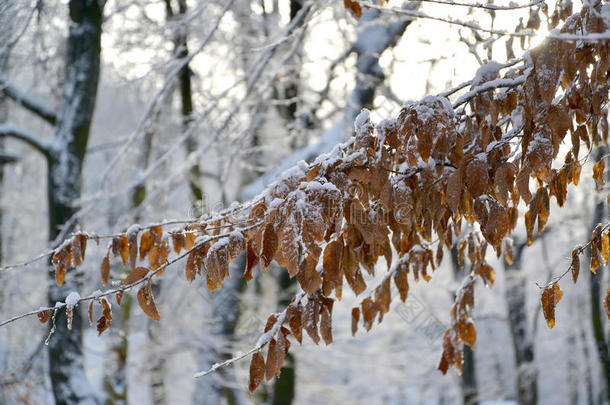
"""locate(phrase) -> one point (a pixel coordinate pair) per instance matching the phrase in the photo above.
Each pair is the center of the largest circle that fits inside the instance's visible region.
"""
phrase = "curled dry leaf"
(105, 269)
(147, 302)
(79, 246)
(43, 316)
(550, 297)
(575, 266)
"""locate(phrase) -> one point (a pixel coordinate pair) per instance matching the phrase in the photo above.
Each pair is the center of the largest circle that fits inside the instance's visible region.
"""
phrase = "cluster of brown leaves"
(408, 187)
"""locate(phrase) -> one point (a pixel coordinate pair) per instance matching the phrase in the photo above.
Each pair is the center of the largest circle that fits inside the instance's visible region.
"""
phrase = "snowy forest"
(304, 202)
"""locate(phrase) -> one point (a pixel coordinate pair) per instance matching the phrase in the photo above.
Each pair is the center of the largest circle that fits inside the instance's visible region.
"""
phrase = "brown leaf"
(332, 262)
(270, 243)
(294, 314)
(136, 274)
(119, 297)
(308, 276)
(326, 324)
(354, 6)
(477, 176)
(146, 242)
(60, 276)
(62, 260)
(90, 312)
(179, 242)
(575, 266)
(453, 194)
(271, 367)
(43, 316)
(216, 265)
(310, 319)
(355, 319)
(468, 334)
(124, 249)
(106, 319)
(147, 302)
(252, 259)
(598, 174)
(550, 297)
(133, 249)
(257, 371)
(79, 245)
(105, 269)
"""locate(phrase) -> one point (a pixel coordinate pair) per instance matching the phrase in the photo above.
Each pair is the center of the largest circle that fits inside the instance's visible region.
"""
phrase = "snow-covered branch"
(22, 134)
(7, 158)
(26, 101)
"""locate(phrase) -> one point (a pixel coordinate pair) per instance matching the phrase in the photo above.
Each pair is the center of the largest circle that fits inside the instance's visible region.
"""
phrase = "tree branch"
(28, 102)
(24, 135)
(7, 158)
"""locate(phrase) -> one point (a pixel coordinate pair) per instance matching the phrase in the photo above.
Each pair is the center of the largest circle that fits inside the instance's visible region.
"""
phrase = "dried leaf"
(257, 371)
(598, 174)
(136, 274)
(79, 246)
(326, 325)
(105, 269)
(272, 367)
(147, 302)
(294, 314)
(550, 297)
(575, 266)
(43, 316)
(354, 6)
(355, 319)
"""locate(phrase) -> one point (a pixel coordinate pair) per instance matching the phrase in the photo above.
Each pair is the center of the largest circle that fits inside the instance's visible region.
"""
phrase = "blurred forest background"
(132, 111)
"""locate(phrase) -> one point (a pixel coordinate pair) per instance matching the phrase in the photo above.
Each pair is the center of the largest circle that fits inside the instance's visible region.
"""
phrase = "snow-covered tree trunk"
(65, 162)
(521, 335)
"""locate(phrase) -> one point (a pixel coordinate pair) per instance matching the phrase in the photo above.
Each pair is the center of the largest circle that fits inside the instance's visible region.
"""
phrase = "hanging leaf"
(355, 319)
(257, 371)
(79, 246)
(598, 174)
(294, 314)
(326, 324)
(43, 316)
(575, 266)
(550, 297)
(147, 302)
(105, 269)
(272, 367)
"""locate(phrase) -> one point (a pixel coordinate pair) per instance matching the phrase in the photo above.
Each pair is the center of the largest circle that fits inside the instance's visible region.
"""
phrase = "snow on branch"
(28, 102)
(22, 134)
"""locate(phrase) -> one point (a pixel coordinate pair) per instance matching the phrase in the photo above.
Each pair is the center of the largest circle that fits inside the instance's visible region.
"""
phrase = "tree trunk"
(597, 319)
(468, 379)
(65, 162)
(521, 336)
